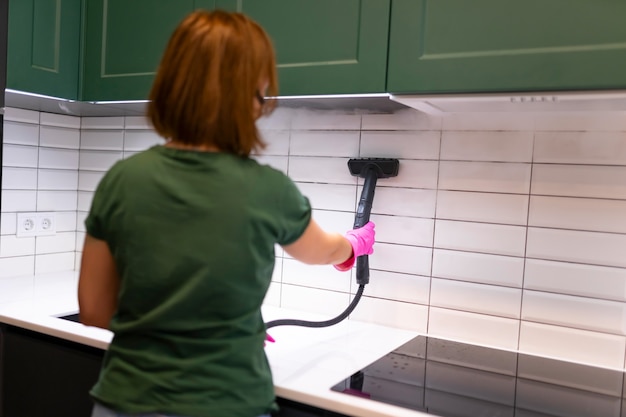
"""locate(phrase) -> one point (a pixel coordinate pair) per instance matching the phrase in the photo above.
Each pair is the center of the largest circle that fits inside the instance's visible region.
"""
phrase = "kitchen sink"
(71, 317)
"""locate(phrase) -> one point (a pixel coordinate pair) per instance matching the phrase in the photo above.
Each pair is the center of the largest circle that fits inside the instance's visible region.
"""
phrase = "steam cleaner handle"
(362, 213)
(362, 247)
(362, 241)
(362, 262)
(361, 218)
(363, 270)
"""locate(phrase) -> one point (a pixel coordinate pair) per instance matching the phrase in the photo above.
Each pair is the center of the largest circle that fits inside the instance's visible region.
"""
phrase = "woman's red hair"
(207, 81)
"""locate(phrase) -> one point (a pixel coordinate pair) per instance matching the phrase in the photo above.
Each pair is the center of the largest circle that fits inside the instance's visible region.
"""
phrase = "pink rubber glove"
(268, 338)
(362, 242)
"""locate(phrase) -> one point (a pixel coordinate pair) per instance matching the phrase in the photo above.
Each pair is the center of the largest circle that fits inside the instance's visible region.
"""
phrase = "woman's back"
(193, 236)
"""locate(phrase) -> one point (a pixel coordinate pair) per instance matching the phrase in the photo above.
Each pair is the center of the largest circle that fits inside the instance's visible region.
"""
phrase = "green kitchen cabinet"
(459, 46)
(324, 46)
(124, 41)
(44, 47)
(109, 50)
(90, 50)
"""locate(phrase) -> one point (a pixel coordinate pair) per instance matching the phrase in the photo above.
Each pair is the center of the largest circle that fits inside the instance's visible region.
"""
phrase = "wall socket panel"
(36, 224)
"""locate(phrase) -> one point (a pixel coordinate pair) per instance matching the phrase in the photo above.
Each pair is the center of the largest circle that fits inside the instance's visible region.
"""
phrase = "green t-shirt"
(193, 237)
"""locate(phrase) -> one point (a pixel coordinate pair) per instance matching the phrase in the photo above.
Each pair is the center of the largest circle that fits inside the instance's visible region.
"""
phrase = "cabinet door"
(441, 46)
(44, 47)
(290, 408)
(124, 41)
(324, 46)
(42, 375)
(213, 4)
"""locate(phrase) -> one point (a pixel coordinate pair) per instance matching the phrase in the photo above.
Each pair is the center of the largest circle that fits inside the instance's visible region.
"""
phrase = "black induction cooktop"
(452, 379)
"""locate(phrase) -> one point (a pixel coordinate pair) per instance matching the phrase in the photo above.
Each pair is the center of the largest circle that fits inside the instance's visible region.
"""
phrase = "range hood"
(559, 101)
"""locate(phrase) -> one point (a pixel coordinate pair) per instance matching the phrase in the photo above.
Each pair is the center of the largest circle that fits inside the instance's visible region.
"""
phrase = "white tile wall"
(59, 137)
(493, 300)
(506, 271)
(500, 229)
(333, 221)
(573, 311)
(110, 140)
(572, 344)
(381, 311)
(313, 299)
(480, 237)
(395, 144)
(324, 120)
(18, 200)
(576, 279)
(98, 160)
(401, 258)
(599, 215)
(483, 207)
(140, 140)
(593, 248)
(497, 223)
(406, 119)
(19, 156)
(84, 201)
(316, 276)
(581, 121)
(55, 262)
(477, 328)
(21, 133)
(19, 178)
(320, 170)
(16, 266)
(40, 173)
(491, 177)
(582, 148)
(58, 158)
(412, 174)
(404, 230)
(404, 201)
(56, 179)
(312, 143)
(8, 223)
(330, 196)
(593, 181)
(395, 286)
(104, 123)
(58, 120)
(56, 200)
(487, 146)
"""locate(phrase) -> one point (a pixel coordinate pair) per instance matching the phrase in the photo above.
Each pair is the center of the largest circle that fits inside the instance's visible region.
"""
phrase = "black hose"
(370, 170)
(326, 323)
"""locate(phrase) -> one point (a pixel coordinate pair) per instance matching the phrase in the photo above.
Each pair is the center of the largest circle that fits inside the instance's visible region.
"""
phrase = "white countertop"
(306, 362)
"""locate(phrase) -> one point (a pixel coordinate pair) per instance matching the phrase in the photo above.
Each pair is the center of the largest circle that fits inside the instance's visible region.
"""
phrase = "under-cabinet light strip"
(321, 96)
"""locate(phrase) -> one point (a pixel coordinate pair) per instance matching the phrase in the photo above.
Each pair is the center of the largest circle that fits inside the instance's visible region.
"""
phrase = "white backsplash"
(500, 229)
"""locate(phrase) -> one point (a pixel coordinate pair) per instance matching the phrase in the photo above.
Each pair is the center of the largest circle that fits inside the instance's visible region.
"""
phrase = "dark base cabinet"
(42, 375)
(293, 409)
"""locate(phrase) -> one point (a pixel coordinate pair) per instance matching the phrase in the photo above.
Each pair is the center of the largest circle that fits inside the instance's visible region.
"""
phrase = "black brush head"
(384, 167)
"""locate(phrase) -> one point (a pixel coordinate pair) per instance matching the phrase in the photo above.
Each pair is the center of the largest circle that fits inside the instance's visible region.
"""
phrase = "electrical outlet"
(26, 224)
(36, 224)
(46, 224)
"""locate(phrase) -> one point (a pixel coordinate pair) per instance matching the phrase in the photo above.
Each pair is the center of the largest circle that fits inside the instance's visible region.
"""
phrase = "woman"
(180, 238)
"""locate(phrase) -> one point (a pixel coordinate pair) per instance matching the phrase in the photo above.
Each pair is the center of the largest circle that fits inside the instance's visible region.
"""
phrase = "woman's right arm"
(317, 247)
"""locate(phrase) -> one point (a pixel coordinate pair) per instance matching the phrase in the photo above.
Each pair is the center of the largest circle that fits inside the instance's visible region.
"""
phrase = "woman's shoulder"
(267, 171)
(129, 164)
